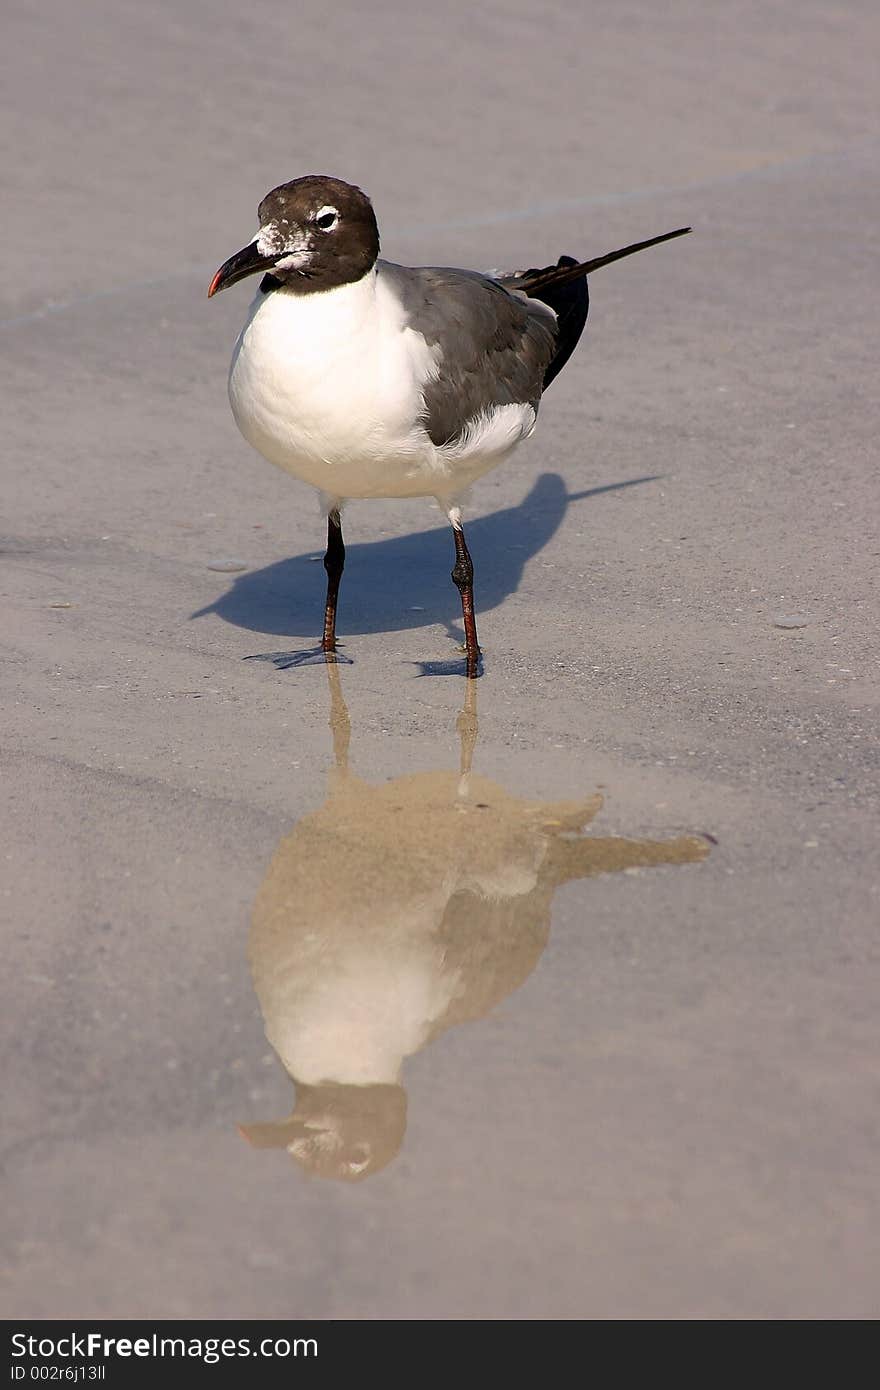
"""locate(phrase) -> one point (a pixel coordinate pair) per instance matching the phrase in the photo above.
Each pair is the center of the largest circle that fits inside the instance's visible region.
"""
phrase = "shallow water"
(396, 911)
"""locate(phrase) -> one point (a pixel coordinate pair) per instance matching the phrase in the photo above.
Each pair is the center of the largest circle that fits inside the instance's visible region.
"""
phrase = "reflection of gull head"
(336, 1131)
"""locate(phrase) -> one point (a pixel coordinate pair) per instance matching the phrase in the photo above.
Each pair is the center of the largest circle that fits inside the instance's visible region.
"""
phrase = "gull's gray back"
(495, 346)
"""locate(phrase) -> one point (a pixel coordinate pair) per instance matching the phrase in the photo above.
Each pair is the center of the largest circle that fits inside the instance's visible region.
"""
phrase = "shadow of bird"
(401, 583)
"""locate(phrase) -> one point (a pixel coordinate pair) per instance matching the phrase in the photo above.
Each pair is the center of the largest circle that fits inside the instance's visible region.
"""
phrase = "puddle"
(399, 910)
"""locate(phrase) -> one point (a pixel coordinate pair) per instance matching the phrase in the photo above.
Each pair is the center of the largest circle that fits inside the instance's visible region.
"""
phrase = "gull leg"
(334, 564)
(463, 578)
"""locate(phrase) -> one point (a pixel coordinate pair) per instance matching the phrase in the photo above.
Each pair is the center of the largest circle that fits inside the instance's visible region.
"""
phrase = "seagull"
(370, 379)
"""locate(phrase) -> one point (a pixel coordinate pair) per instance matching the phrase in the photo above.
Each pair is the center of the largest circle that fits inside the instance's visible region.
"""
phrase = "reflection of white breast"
(358, 1028)
(376, 921)
(352, 1016)
(355, 1009)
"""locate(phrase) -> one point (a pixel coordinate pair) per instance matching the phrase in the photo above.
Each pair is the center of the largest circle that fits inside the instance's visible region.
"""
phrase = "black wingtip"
(587, 267)
(564, 274)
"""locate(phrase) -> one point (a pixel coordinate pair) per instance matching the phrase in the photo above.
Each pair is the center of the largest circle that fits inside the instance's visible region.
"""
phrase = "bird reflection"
(394, 912)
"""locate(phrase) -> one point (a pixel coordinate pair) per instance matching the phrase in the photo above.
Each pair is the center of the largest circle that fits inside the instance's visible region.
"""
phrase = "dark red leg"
(334, 564)
(463, 578)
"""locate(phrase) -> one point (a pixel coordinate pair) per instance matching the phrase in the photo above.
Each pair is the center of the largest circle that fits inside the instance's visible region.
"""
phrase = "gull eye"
(326, 219)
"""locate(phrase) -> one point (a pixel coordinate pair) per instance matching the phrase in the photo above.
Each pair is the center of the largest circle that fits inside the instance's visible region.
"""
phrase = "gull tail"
(563, 287)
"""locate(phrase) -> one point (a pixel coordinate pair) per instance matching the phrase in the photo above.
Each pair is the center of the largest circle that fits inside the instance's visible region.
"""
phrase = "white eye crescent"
(326, 218)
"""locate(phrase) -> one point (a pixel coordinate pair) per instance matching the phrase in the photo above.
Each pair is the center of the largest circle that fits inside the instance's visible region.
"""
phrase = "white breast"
(328, 387)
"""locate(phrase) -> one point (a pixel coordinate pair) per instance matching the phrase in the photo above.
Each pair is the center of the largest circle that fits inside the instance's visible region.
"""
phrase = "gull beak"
(245, 262)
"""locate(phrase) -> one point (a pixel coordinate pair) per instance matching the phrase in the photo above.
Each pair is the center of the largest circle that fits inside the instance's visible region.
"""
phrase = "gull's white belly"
(329, 387)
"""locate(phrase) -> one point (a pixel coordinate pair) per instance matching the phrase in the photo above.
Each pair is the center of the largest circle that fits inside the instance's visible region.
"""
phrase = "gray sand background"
(675, 1116)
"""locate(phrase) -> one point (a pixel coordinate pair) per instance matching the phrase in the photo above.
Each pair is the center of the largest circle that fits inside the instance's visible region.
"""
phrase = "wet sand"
(576, 982)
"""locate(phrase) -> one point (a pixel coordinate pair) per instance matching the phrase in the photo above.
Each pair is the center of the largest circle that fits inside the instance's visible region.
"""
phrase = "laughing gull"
(369, 379)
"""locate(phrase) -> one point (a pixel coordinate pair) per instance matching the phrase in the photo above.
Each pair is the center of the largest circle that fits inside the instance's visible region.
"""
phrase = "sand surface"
(632, 1088)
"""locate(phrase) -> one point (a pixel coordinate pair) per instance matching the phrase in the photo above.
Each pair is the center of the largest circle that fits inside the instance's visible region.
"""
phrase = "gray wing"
(495, 346)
